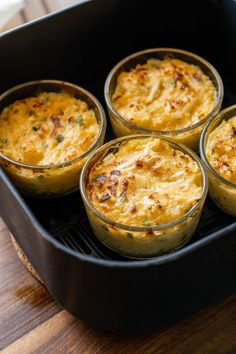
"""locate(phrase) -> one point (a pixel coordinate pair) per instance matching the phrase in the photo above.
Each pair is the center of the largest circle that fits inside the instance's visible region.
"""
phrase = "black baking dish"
(80, 45)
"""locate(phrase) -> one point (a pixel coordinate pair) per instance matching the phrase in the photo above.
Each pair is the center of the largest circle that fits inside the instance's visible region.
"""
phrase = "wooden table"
(36, 8)
(31, 321)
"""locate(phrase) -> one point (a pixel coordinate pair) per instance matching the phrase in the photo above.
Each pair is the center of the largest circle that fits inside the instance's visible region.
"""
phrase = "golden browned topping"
(167, 94)
(221, 149)
(47, 129)
(144, 182)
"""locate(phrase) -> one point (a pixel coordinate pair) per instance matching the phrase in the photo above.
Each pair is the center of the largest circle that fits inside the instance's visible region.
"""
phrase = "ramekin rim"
(145, 228)
(220, 93)
(101, 133)
(204, 158)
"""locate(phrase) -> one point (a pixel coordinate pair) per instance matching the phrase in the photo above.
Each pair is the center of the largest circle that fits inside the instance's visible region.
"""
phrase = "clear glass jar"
(190, 135)
(222, 191)
(47, 181)
(137, 241)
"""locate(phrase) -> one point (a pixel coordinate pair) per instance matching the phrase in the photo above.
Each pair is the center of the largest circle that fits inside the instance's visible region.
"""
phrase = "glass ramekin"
(47, 181)
(142, 242)
(222, 191)
(190, 135)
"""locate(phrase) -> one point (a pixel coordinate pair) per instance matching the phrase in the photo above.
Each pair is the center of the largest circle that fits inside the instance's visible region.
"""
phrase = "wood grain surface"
(36, 8)
(31, 321)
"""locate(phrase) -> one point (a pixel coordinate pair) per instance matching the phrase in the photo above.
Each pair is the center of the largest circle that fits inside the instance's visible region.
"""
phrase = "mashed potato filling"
(167, 94)
(50, 128)
(144, 182)
(221, 149)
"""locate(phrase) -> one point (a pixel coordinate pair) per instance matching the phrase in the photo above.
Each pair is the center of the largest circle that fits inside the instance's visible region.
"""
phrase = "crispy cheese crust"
(50, 128)
(221, 149)
(144, 182)
(167, 94)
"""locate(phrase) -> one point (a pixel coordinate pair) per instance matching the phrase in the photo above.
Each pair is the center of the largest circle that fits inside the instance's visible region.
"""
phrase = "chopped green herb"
(60, 138)
(39, 177)
(146, 222)
(121, 198)
(172, 82)
(129, 235)
(4, 141)
(45, 101)
(105, 227)
(183, 238)
(162, 239)
(44, 145)
(79, 120)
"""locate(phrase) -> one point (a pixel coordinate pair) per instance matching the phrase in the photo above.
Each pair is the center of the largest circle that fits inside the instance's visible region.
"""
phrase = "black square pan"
(81, 44)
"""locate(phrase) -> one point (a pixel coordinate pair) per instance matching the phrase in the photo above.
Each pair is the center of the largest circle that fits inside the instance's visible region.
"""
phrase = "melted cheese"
(50, 128)
(164, 95)
(221, 149)
(145, 182)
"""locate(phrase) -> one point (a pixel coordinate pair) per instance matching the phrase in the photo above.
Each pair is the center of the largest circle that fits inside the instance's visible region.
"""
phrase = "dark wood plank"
(211, 331)
(24, 302)
(30, 322)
